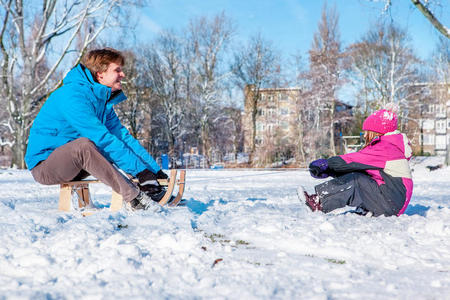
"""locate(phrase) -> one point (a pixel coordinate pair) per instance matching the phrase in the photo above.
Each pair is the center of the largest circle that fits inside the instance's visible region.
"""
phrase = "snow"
(242, 234)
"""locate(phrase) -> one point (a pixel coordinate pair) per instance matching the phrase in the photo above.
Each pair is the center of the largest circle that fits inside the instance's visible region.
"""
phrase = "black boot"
(156, 195)
(142, 201)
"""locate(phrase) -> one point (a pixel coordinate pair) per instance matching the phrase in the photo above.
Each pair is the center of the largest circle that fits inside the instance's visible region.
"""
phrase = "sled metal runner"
(81, 188)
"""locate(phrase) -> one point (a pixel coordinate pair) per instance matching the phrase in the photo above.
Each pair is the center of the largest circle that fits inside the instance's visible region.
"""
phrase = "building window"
(259, 126)
(440, 110)
(440, 126)
(284, 111)
(428, 124)
(428, 139)
(440, 142)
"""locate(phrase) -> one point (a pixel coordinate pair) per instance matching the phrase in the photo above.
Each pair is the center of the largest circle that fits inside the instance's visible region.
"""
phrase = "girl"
(375, 180)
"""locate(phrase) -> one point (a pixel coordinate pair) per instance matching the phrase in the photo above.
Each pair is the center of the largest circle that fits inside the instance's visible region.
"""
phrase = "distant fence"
(198, 161)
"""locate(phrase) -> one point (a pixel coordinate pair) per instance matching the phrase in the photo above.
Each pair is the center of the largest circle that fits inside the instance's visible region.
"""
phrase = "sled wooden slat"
(180, 189)
(83, 195)
(81, 187)
(65, 193)
(168, 194)
(88, 181)
(116, 201)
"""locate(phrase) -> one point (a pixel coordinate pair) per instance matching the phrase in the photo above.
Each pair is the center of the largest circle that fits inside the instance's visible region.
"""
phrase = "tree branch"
(429, 15)
(63, 53)
(86, 43)
(5, 55)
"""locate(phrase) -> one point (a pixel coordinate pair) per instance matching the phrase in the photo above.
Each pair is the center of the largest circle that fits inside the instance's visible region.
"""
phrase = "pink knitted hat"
(383, 120)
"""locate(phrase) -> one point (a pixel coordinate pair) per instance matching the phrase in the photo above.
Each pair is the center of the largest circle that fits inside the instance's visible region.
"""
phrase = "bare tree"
(36, 41)
(255, 66)
(227, 137)
(441, 61)
(301, 83)
(383, 66)
(325, 76)
(429, 9)
(207, 41)
(163, 66)
(135, 113)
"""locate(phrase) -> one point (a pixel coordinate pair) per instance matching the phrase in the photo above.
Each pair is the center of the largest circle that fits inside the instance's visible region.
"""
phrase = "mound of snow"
(241, 234)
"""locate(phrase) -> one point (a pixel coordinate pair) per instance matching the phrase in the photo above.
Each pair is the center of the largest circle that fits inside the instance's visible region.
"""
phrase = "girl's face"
(366, 135)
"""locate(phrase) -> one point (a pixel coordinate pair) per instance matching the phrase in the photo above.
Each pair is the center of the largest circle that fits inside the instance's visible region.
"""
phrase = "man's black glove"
(161, 175)
(148, 182)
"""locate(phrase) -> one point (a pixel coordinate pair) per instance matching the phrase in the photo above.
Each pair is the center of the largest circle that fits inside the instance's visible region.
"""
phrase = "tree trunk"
(171, 139)
(205, 143)
(300, 146)
(332, 113)
(19, 146)
(253, 133)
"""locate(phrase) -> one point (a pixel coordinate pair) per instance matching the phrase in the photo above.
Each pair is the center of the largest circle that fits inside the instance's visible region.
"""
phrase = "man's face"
(112, 77)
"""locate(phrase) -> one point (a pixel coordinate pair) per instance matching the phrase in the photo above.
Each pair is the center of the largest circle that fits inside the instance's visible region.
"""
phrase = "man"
(77, 133)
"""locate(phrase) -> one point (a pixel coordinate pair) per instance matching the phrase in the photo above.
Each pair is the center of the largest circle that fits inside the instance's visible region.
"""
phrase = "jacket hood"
(81, 75)
(399, 140)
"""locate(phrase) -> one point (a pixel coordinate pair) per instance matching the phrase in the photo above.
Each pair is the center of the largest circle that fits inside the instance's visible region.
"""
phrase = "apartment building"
(429, 119)
(277, 115)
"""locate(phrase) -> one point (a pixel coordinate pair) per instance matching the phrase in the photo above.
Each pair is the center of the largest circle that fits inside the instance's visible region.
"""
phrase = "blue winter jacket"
(84, 108)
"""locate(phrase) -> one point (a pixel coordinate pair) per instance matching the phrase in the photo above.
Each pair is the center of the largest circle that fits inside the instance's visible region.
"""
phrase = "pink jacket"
(385, 159)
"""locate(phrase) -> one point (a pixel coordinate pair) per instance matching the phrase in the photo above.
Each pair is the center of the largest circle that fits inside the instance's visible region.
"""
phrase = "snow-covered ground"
(242, 235)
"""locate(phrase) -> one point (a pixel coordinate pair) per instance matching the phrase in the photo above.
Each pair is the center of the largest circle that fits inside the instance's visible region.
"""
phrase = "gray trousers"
(355, 189)
(78, 159)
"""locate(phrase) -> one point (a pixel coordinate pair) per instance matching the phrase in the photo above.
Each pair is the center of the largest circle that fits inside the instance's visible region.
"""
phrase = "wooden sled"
(81, 188)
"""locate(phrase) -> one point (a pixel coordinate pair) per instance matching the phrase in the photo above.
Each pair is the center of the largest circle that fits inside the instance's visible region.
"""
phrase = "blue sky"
(290, 24)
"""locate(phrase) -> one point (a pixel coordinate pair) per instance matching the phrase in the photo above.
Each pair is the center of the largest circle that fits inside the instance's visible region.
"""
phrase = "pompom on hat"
(383, 120)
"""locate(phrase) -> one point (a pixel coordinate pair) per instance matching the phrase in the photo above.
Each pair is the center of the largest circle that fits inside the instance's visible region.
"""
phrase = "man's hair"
(98, 60)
